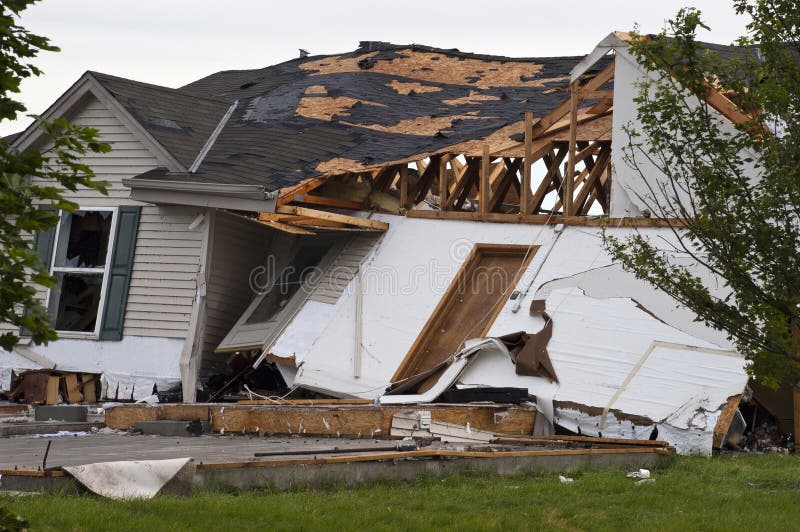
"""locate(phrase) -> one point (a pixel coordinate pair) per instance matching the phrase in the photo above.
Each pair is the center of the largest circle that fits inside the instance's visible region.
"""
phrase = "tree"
(57, 168)
(736, 192)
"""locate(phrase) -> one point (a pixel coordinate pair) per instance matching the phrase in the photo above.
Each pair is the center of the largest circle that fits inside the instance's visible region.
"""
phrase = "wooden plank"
(586, 439)
(553, 175)
(564, 107)
(319, 402)
(328, 202)
(286, 228)
(324, 215)
(51, 393)
(502, 189)
(525, 206)
(89, 388)
(288, 193)
(485, 191)
(592, 178)
(427, 453)
(404, 186)
(569, 175)
(443, 184)
(72, 388)
(725, 419)
(587, 221)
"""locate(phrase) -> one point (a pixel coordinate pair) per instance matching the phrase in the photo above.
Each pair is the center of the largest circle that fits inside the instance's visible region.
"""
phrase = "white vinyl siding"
(128, 157)
(164, 276)
(344, 268)
(238, 246)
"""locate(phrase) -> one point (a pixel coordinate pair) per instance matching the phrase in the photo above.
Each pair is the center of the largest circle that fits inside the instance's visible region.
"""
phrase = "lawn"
(724, 493)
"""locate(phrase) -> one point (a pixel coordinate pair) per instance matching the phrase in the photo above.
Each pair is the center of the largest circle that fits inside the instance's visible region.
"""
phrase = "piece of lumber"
(592, 178)
(551, 118)
(586, 439)
(485, 190)
(328, 202)
(286, 228)
(573, 137)
(587, 221)
(51, 392)
(73, 390)
(553, 176)
(319, 402)
(404, 186)
(443, 184)
(725, 419)
(89, 388)
(334, 217)
(287, 194)
(525, 200)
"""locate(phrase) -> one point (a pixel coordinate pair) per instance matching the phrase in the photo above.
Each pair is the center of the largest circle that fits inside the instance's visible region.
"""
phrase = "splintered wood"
(48, 386)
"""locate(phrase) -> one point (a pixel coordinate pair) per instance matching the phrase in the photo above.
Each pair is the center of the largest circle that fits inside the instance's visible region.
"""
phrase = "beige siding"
(128, 157)
(167, 257)
(165, 269)
(238, 246)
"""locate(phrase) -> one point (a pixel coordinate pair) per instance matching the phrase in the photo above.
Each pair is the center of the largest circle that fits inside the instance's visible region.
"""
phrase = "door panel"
(469, 306)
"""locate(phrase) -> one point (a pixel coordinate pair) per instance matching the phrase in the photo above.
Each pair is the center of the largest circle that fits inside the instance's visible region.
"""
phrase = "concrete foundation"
(172, 428)
(71, 413)
(225, 462)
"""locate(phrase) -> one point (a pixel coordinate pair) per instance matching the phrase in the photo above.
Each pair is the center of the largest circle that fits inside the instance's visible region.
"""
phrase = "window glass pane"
(83, 239)
(75, 301)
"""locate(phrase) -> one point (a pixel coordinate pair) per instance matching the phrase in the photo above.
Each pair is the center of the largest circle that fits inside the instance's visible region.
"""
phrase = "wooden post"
(443, 185)
(525, 206)
(796, 394)
(573, 135)
(485, 190)
(403, 186)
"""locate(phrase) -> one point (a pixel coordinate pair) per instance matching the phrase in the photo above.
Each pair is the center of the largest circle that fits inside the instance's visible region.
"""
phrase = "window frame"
(53, 269)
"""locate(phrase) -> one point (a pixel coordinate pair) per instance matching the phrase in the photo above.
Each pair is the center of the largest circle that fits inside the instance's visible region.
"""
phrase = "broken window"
(82, 247)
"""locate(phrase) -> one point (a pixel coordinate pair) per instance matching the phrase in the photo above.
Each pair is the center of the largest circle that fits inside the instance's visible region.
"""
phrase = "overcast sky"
(173, 42)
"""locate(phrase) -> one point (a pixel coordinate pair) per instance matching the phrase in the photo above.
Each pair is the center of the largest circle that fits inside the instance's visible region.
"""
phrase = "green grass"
(744, 493)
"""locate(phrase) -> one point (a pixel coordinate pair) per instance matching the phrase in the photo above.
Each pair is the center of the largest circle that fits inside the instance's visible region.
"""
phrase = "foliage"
(54, 169)
(741, 493)
(11, 522)
(736, 189)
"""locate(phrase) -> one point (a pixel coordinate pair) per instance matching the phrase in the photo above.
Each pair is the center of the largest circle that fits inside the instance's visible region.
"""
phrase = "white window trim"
(112, 237)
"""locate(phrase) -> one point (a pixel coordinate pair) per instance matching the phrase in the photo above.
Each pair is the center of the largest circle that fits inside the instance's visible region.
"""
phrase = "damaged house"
(388, 224)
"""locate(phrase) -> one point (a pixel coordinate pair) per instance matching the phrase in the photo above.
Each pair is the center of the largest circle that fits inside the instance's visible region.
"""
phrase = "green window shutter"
(44, 242)
(120, 273)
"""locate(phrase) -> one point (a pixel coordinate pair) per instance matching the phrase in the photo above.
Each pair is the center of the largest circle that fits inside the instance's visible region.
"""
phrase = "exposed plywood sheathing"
(433, 67)
(407, 87)
(338, 420)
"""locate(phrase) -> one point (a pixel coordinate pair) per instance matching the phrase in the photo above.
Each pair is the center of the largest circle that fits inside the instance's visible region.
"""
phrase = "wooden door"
(469, 306)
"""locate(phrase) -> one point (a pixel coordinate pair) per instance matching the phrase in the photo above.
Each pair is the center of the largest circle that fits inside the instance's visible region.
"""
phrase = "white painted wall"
(405, 280)
(629, 183)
